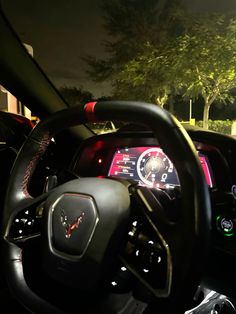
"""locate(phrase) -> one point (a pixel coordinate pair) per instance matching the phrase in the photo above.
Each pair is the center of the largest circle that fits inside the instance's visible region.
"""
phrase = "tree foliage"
(75, 96)
(210, 71)
(147, 77)
(200, 62)
(220, 126)
(158, 50)
(130, 24)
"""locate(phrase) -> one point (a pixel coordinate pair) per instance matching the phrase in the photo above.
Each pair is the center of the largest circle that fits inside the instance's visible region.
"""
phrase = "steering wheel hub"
(72, 221)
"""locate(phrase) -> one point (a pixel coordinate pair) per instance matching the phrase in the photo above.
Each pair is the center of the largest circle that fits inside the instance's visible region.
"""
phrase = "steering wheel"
(93, 231)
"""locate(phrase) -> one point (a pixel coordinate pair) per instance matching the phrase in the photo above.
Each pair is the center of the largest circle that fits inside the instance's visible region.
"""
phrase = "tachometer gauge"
(155, 169)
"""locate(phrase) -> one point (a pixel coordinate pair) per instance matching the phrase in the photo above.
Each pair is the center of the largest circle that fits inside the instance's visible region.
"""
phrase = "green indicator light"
(229, 234)
(225, 225)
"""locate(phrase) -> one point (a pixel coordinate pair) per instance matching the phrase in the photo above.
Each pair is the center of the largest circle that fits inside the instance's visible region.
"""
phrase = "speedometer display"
(151, 167)
(155, 169)
(148, 165)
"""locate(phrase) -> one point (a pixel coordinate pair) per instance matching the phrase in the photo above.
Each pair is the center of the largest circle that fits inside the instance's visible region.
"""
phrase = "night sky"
(63, 31)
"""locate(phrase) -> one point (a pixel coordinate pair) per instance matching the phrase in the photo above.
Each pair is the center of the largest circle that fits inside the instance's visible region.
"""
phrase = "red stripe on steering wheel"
(89, 111)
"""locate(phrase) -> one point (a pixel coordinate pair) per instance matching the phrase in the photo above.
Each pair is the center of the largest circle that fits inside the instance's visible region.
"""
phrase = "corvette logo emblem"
(70, 227)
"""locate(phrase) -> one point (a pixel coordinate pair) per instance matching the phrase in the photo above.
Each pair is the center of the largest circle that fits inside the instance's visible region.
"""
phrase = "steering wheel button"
(225, 225)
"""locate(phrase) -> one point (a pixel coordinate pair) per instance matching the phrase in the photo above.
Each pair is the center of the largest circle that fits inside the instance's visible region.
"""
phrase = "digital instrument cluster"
(150, 167)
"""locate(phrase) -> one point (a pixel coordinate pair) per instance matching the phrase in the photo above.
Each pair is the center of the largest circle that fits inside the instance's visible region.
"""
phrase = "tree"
(201, 62)
(148, 77)
(130, 24)
(210, 71)
(75, 96)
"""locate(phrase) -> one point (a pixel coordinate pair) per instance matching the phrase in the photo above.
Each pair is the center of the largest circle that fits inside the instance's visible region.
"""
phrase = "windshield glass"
(180, 55)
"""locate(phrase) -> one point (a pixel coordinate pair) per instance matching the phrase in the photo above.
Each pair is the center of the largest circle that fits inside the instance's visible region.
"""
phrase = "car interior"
(140, 220)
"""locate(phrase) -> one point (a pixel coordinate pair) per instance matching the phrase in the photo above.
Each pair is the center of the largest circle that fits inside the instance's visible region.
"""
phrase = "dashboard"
(150, 166)
(138, 156)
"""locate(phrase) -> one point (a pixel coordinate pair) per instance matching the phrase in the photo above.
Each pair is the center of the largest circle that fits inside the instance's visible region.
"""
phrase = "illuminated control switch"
(225, 225)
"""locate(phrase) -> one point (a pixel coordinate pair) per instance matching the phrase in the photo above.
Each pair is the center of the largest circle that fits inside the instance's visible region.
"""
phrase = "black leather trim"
(18, 285)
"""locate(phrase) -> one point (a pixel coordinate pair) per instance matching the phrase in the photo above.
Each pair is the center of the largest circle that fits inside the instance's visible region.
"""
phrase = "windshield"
(180, 55)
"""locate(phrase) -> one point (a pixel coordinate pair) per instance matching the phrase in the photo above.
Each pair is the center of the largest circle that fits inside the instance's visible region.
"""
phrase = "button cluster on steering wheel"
(25, 224)
(145, 255)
